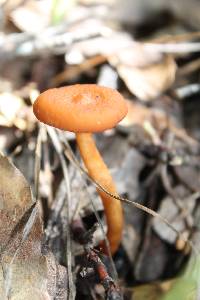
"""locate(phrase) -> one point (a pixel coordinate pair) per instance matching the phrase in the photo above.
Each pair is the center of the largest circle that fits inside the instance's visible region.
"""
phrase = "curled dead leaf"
(148, 82)
(147, 73)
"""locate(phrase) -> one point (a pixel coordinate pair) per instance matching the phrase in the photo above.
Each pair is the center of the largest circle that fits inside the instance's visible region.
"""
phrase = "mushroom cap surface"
(80, 108)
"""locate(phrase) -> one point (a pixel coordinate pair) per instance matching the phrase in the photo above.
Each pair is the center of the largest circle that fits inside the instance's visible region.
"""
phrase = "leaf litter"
(23, 262)
(152, 156)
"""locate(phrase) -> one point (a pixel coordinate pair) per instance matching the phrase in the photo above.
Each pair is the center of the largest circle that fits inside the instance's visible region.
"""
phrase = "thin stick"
(188, 68)
(173, 47)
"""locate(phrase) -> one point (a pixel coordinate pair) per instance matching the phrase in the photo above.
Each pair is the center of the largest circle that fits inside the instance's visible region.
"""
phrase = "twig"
(177, 38)
(189, 68)
(188, 90)
(173, 47)
(72, 72)
(85, 239)
(52, 40)
(112, 291)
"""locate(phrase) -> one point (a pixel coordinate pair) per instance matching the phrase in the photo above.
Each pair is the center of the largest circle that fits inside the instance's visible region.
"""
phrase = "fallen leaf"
(171, 211)
(26, 271)
(150, 81)
(134, 54)
(146, 73)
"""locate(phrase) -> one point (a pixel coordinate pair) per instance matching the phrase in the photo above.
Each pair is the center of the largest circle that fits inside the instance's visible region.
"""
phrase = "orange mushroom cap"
(80, 108)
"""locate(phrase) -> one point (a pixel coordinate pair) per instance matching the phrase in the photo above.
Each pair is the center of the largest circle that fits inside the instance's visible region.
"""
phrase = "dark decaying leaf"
(27, 270)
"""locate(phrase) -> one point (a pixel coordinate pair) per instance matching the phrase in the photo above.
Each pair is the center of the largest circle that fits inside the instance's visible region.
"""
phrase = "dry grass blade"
(38, 161)
(55, 140)
(47, 168)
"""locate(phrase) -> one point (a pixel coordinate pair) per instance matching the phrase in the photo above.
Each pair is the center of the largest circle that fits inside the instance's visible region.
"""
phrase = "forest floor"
(49, 234)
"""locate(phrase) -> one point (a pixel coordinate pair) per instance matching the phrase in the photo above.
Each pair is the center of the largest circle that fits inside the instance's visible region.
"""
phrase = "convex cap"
(80, 108)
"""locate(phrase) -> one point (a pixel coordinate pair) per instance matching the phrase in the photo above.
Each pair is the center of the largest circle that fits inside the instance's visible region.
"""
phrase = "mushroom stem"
(98, 170)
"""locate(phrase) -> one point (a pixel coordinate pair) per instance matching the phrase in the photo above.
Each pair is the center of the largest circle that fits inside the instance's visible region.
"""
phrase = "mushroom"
(86, 109)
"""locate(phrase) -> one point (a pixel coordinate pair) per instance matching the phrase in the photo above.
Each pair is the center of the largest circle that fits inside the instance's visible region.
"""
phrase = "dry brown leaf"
(170, 210)
(146, 73)
(25, 272)
(135, 55)
(148, 82)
